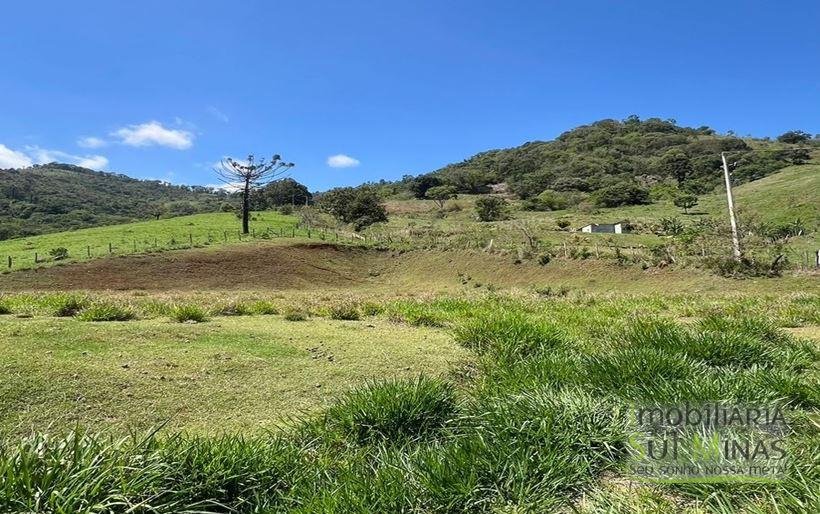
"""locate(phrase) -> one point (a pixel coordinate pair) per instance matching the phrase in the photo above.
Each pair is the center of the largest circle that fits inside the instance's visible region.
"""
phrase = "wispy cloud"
(91, 142)
(35, 155)
(13, 159)
(342, 161)
(153, 133)
(45, 156)
(216, 113)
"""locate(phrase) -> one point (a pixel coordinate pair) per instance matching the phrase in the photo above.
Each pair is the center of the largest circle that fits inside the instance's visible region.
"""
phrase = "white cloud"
(94, 162)
(216, 113)
(342, 161)
(153, 133)
(35, 155)
(91, 142)
(230, 187)
(45, 156)
(13, 159)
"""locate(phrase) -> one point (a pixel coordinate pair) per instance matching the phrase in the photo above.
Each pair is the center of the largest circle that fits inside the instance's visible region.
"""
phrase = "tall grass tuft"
(106, 311)
(393, 410)
(509, 335)
(188, 312)
(67, 304)
(345, 310)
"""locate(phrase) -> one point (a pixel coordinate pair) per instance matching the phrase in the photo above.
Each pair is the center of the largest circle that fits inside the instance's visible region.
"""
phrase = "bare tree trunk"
(246, 206)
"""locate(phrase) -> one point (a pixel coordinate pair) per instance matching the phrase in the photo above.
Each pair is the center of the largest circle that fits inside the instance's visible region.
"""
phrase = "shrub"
(58, 254)
(563, 224)
(295, 314)
(233, 309)
(394, 410)
(104, 311)
(68, 304)
(286, 209)
(491, 208)
(345, 310)
(188, 312)
(264, 307)
(4, 308)
(544, 259)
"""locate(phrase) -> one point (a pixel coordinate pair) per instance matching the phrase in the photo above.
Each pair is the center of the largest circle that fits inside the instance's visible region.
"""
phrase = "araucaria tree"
(250, 175)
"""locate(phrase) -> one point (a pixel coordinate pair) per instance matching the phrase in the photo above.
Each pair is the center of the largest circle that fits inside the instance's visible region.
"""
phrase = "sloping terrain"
(262, 266)
(55, 197)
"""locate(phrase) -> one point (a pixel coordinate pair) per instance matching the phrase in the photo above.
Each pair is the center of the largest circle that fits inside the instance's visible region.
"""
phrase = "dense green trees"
(283, 192)
(606, 153)
(794, 137)
(622, 193)
(56, 197)
(360, 206)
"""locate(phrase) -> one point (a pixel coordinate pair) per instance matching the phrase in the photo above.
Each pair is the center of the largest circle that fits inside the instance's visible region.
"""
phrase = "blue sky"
(162, 89)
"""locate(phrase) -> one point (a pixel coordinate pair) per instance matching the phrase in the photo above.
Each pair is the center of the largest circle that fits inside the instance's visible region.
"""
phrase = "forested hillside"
(612, 162)
(56, 197)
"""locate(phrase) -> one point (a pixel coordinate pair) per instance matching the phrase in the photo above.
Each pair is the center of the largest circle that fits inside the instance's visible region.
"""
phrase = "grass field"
(230, 374)
(531, 417)
(145, 236)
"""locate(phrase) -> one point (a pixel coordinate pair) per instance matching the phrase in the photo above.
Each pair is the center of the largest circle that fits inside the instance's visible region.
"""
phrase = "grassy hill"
(138, 237)
(56, 197)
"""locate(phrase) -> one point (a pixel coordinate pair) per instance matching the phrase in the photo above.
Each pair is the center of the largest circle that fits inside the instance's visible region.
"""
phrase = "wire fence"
(508, 242)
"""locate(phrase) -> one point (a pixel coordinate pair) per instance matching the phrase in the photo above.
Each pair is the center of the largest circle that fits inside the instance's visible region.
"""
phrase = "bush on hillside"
(622, 193)
(491, 208)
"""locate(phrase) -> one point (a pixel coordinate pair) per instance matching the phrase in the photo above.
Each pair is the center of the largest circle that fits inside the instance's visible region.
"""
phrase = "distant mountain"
(610, 153)
(56, 197)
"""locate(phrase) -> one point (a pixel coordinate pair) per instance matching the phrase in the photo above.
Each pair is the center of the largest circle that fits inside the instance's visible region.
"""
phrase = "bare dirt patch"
(241, 267)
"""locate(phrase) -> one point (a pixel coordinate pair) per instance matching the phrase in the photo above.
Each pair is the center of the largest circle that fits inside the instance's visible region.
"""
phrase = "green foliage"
(68, 304)
(671, 226)
(747, 267)
(421, 184)
(393, 411)
(440, 194)
(188, 312)
(264, 307)
(359, 206)
(345, 310)
(622, 193)
(685, 201)
(491, 208)
(295, 314)
(107, 311)
(794, 137)
(58, 254)
(56, 197)
(279, 193)
(592, 157)
(550, 200)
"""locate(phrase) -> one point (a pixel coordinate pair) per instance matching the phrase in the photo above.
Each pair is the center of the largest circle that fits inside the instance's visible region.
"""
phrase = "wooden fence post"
(225, 233)
(135, 246)
(191, 239)
(36, 258)
(88, 251)
(110, 248)
(9, 261)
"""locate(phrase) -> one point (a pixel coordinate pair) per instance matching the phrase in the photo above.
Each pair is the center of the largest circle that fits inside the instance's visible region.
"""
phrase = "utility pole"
(730, 200)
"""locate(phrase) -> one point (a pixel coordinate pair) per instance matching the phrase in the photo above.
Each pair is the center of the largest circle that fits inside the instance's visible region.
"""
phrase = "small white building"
(604, 228)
